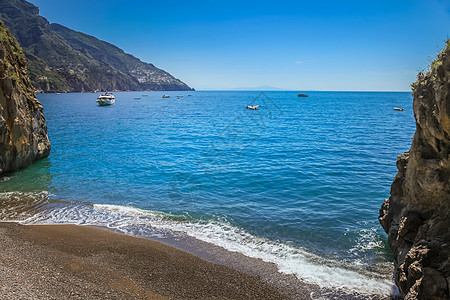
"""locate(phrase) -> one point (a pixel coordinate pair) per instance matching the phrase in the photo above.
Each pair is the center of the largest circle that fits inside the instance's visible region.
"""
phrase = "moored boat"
(106, 99)
(399, 108)
(166, 96)
(253, 107)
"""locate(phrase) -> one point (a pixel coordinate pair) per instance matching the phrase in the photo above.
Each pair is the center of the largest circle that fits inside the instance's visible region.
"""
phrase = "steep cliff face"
(417, 215)
(23, 133)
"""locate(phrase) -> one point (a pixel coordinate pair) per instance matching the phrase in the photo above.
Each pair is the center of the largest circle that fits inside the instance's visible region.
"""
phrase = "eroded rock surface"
(23, 133)
(417, 216)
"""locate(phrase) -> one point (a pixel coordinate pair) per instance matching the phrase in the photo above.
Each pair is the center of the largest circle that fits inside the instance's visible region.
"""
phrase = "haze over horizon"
(375, 46)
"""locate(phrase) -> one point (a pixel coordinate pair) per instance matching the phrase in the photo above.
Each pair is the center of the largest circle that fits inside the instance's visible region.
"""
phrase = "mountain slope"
(61, 59)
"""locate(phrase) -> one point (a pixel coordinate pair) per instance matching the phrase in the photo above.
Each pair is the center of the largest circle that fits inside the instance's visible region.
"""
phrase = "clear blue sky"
(292, 45)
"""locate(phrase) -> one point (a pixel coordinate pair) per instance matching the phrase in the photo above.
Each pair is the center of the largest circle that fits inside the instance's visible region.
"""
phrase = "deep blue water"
(298, 177)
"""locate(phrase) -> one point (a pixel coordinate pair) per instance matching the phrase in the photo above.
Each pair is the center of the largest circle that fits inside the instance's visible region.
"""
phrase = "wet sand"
(82, 262)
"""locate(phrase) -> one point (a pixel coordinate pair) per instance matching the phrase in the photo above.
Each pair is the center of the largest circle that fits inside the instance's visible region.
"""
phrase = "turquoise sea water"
(298, 182)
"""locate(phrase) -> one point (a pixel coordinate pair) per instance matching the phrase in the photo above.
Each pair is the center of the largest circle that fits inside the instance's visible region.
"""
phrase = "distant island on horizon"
(258, 88)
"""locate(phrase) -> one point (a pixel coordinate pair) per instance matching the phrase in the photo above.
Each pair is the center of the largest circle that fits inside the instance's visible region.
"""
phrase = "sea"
(297, 183)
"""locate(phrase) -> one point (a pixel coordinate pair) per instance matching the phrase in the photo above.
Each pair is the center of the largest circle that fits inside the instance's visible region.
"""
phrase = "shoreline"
(63, 261)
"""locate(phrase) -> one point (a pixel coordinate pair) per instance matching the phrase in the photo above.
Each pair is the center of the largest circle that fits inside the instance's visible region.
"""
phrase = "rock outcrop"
(417, 214)
(23, 133)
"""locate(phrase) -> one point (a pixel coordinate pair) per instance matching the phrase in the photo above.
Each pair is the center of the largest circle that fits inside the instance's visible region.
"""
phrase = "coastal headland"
(60, 59)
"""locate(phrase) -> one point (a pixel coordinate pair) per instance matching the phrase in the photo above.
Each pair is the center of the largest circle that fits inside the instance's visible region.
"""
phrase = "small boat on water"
(302, 95)
(399, 108)
(253, 107)
(106, 99)
(137, 98)
(180, 96)
(166, 96)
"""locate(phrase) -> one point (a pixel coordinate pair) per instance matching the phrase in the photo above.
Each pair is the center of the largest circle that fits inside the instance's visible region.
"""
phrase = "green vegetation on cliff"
(429, 76)
(61, 59)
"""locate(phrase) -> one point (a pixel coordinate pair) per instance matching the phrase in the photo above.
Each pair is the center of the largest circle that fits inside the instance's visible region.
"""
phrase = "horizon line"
(281, 90)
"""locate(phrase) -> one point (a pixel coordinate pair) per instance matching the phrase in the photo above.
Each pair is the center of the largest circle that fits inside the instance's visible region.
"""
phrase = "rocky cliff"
(417, 215)
(63, 60)
(23, 133)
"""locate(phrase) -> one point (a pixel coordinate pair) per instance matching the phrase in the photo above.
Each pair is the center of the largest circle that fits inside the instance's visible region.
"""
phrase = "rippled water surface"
(298, 182)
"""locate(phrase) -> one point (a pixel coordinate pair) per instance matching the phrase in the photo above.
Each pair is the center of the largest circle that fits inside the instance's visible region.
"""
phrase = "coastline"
(87, 262)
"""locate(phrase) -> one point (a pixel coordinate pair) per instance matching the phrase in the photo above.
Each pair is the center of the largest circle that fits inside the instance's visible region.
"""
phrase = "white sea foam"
(19, 206)
(289, 260)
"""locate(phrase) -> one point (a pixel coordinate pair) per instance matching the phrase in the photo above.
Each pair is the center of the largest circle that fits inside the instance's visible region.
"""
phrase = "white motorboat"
(399, 108)
(106, 99)
(253, 107)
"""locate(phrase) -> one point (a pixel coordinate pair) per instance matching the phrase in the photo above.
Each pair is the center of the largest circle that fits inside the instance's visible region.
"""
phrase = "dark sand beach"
(81, 262)
(85, 262)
